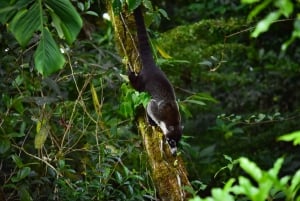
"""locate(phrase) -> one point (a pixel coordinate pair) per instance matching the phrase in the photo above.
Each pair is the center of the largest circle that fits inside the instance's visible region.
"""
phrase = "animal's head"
(173, 135)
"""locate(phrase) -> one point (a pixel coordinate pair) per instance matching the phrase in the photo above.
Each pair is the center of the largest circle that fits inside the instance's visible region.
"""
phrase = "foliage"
(295, 137)
(27, 21)
(64, 137)
(283, 8)
(262, 185)
(70, 135)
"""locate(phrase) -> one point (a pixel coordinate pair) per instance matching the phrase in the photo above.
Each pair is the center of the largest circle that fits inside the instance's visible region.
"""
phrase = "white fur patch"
(163, 127)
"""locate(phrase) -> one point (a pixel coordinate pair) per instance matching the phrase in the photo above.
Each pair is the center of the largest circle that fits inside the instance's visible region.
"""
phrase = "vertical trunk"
(168, 172)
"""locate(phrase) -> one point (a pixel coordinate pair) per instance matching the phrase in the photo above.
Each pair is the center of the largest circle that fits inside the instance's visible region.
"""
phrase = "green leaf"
(4, 145)
(294, 136)
(164, 13)
(25, 23)
(286, 7)
(275, 170)
(249, 1)
(197, 102)
(22, 173)
(133, 4)
(70, 20)
(17, 160)
(42, 131)
(295, 184)
(295, 34)
(47, 57)
(116, 6)
(126, 109)
(258, 9)
(8, 9)
(251, 168)
(24, 194)
(148, 4)
(264, 24)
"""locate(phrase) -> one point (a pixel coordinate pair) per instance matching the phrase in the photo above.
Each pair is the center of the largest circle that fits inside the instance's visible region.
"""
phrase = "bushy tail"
(144, 45)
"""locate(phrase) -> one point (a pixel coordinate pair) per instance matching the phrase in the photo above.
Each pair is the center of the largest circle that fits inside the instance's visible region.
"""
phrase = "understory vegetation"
(69, 133)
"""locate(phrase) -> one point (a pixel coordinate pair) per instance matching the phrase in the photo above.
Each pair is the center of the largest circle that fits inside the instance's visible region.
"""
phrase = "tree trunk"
(168, 172)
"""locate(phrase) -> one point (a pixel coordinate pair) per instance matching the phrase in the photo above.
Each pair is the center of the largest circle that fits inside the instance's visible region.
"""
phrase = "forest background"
(67, 126)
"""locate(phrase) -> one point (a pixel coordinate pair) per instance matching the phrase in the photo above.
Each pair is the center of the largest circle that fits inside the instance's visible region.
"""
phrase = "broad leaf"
(70, 20)
(47, 57)
(133, 4)
(25, 23)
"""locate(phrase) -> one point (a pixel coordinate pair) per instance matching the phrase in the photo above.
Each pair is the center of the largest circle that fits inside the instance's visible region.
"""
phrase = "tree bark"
(168, 172)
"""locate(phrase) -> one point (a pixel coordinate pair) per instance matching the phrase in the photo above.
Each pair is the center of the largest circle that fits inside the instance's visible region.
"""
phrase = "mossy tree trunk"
(168, 172)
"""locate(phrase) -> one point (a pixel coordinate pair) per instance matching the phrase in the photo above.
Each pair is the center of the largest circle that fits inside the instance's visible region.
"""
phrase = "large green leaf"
(25, 23)
(47, 57)
(70, 20)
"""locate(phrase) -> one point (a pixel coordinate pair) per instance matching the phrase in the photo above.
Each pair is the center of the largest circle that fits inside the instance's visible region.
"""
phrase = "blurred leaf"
(294, 136)
(18, 105)
(185, 109)
(70, 20)
(22, 173)
(148, 4)
(4, 145)
(24, 194)
(42, 131)
(258, 8)
(206, 63)
(199, 99)
(251, 168)
(197, 102)
(265, 23)
(126, 109)
(295, 183)
(61, 164)
(17, 160)
(286, 7)
(92, 13)
(47, 57)
(162, 52)
(116, 6)
(25, 23)
(295, 34)
(249, 1)
(275, 170)
(164, 13)
(133, 4)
